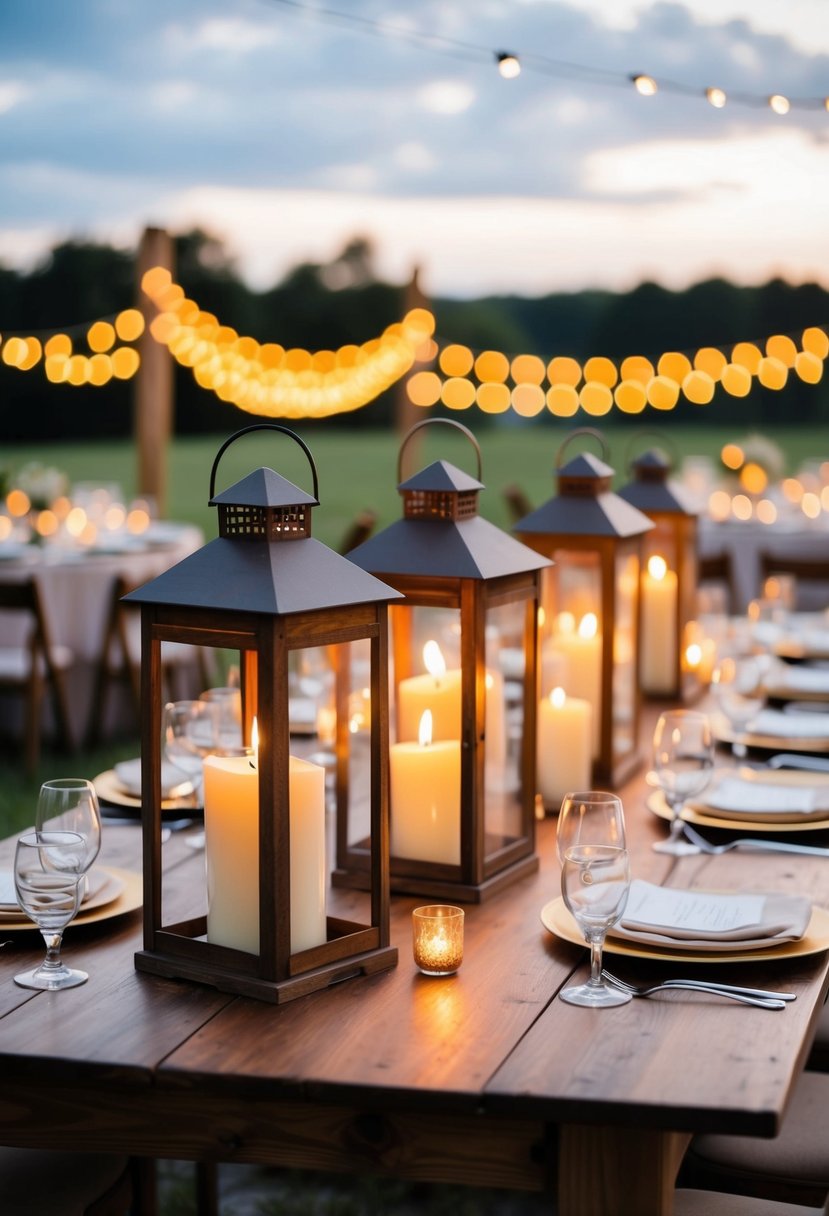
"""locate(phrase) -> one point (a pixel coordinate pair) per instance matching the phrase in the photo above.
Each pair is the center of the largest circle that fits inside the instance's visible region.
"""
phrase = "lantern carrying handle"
(667, 444)
(446, 422)
(264, 426)
(584, 430)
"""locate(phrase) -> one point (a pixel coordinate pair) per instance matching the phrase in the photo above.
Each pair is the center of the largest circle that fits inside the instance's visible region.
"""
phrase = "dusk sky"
(285, 131)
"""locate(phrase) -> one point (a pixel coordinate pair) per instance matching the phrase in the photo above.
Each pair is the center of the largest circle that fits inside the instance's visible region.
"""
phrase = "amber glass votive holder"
(437, 938)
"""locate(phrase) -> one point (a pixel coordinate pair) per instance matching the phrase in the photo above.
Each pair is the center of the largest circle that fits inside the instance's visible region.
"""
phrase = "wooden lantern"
(464, 660)
(669, 579)
(589, 624)
(266, 926)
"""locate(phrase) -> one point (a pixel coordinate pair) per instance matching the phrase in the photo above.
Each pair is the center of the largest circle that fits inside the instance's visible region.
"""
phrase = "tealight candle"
(437, 938)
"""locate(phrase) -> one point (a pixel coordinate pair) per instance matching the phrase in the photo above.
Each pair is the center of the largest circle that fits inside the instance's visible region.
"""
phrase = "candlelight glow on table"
(437, 938)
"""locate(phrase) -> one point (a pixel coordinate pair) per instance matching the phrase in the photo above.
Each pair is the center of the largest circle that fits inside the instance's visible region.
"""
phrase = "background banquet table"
(485, 1078)
(744, 541)
(76, 587)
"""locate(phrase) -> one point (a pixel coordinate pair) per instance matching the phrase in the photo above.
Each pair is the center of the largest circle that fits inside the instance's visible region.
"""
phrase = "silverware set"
(758, 997)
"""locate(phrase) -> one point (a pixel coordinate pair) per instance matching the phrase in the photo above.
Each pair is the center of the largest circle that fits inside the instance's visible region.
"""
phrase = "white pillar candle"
(582, 651)
(657, 668)
(564, 760)
(439, 691)
(426, 798)
(231, 824)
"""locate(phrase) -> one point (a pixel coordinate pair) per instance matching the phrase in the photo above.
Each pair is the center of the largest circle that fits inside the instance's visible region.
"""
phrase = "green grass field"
(357, 470)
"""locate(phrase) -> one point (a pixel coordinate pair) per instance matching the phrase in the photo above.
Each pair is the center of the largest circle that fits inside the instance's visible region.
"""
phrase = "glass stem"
(596, 944)
(53, 943)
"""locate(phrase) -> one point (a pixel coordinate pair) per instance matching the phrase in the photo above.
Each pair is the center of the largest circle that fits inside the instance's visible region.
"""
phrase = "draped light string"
(510, 63)
(107, 355)
(267, 379)
(529, 385)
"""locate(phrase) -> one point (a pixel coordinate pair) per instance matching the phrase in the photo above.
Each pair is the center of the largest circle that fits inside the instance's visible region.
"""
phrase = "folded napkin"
(96, 880)
(708, 920)
(790, 726)
(128, 776)
(738, 798)
(800, 679)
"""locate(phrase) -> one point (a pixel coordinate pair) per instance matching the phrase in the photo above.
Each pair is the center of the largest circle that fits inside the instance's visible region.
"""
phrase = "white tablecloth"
(745, 542)
(77, 593)
(76, 587)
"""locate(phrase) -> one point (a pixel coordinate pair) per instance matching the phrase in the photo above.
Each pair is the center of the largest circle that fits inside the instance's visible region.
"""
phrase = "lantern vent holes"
(441, 505)
(264, 523)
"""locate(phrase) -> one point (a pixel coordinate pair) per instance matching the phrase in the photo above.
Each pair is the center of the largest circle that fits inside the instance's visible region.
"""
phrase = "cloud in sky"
(286, 134)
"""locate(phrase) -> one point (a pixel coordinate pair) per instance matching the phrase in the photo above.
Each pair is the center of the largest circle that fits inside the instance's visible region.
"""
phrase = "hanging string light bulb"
(509, 65)
(646, 85)
(716, 97)
(779, 103)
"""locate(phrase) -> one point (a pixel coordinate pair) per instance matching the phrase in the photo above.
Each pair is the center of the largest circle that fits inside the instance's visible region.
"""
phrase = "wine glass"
(227, 723)
(48, 869)
(190, 734)
(595, 881)
(683, 760)
(737, 684)
(70, 804)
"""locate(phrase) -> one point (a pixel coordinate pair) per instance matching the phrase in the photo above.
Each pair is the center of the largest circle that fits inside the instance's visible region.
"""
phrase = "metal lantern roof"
(651, 490)
(265, 561)
(442, 535)
(585, 505)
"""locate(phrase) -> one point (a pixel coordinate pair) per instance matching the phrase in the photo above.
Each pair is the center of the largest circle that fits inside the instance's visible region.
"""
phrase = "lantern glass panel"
(571, 636)
(425, 671)
(504, 725)
(425, 755)
(624, 654)
(661, 541)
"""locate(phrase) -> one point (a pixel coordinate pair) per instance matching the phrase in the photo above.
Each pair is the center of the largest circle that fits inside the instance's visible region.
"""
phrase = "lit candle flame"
(657, 567)
(424, 731)
(693, 655)
(434, 660)
(566, 622)
(588, 625)
(557, 698)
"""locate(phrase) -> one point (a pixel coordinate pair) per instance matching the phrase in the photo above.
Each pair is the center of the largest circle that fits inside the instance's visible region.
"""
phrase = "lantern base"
(443, 888)
(276, 992)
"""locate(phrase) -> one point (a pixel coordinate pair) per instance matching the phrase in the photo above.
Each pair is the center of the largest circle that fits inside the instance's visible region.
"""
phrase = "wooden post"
(406, 414)
(153, 394)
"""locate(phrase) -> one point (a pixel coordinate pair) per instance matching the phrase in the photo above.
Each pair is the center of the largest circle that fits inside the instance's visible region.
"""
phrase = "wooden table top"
(171, 1068)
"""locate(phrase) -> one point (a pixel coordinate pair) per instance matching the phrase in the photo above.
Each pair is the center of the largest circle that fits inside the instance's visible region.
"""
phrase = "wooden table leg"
(618, 1171)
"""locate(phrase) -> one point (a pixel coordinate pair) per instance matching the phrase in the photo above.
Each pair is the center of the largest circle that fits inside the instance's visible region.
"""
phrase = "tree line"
(324, 306)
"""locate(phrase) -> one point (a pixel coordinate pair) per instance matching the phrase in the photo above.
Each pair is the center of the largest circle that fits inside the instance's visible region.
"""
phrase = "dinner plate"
(130, 897)
(105, 885)
(723, 732)
(557, 919)
(803, 647)
(656, 803)
(111, 793)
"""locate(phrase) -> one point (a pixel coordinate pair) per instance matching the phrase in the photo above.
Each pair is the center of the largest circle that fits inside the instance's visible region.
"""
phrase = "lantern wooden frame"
(586, 517)
(675, 527)
(414, 556)
(334, 605)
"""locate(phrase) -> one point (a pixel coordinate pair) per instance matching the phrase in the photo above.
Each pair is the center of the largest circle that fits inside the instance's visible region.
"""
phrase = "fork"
(750, 842)
(744, 997)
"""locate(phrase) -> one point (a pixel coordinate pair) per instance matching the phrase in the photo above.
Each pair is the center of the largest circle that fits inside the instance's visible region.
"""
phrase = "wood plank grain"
(438, 1148)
